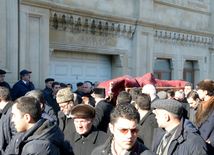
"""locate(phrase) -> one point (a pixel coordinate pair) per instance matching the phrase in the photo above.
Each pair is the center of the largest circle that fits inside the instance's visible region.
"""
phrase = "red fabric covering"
(121, 83)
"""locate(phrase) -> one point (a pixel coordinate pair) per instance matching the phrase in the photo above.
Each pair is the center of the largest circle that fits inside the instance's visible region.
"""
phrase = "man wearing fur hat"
(65, 99)
(86, 137)
(175, 135)
(205, 114)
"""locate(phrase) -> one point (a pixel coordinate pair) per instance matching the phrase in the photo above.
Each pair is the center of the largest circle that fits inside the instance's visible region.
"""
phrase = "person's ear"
(27, 118)
(137, 106)
(111, 128)
(71, 103)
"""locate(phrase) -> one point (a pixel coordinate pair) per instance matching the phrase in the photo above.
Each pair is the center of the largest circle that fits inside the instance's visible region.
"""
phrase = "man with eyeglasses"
(175, 135)
(86, 137)
(22, 86)
(2, 82)
(65, 99)
(124, 126)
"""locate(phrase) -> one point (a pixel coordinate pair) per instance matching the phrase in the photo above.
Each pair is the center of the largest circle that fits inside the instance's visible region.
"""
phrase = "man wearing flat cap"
(2, 82)
(103, 110)
(175, 135)
(86, 137)
(22, 86)
(65, 99)
(79, 90)
(205, 114)
(48, 86)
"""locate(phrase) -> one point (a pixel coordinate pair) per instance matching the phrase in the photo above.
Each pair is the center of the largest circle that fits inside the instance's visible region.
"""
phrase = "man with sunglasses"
(124, 123)
(175, 135)
(86, 136)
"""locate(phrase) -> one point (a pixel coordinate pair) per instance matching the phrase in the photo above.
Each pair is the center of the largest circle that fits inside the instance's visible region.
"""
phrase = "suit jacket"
(20, 89)
(52, 102)
(102, 115)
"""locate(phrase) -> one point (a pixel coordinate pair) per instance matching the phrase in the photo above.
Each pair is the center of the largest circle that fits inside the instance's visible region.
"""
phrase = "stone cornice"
(88, 49)
(181, 7)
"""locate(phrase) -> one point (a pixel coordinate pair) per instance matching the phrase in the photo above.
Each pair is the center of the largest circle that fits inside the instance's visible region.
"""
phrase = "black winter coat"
(137, 149)
(187, 141)
(52, 102)
(85, 145)
(147, 125)
(102, 117)
(44, 138)
(7, 128)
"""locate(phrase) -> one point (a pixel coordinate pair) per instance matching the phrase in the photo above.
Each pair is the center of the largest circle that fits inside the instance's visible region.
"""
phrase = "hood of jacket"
(44, 130)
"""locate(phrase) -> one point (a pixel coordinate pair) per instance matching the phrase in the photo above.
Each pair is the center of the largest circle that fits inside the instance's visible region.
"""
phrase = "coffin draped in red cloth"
(121, 83)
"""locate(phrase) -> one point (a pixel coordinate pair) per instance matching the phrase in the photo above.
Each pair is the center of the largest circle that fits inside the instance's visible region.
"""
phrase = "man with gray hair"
(65, 99)
(151, 91)
(175, 135)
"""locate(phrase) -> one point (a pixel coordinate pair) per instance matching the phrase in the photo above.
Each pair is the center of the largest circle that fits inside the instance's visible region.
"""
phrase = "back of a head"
(36, 93)
(126, 111)
(29, 105)
(207, 85)
(149, 89)
(124, 97)
(134, 92)
(179, 93)
(170, 91)
(5, 94)
(143, 101)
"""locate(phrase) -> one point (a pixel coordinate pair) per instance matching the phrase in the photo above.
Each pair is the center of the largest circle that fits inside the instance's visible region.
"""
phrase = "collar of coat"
(202, 115)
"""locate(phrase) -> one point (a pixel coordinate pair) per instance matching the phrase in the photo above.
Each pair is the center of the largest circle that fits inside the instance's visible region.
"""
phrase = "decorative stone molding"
(181, 39)
(79, 24)
(174, 5)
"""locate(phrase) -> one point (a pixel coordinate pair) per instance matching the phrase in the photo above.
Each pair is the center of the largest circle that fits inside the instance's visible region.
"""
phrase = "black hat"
(169, 105)
(2, 71)
(79, 84)
(83, 111)
(49, 79)
(24, 72)
(99, 92)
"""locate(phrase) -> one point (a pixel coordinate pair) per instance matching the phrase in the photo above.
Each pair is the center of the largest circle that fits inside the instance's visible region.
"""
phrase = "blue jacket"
(20, 89)
(43, 138)
(187, 141)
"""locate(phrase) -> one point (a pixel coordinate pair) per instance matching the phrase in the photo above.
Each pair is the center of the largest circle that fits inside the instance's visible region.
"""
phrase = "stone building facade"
(97, 40)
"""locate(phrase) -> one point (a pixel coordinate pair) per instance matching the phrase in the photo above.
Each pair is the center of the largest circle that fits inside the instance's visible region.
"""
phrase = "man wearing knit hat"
(65, 99)
(175, 135)
(86, 137)
(205, 114)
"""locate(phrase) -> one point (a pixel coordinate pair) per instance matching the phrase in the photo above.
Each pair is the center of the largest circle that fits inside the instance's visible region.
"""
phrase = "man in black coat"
(23, 86)
(79, 90)
(48, 86)
(35, 135)
(85, 137)
(147, 120)
(124, 128)
(2, 82)
(65, 99)
(103, 110)
(7, 128)
(87, 98)
(51, 97)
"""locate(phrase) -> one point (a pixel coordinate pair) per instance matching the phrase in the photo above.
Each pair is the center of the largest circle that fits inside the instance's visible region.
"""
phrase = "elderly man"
(124, 126)
(175, 135)
(35, 135)
(48, 86)
(23, 86)
(86, 137)
(205, 114)
(87, 90)
(7, 129)
(151, 91)
(2, 82)
(65, 99)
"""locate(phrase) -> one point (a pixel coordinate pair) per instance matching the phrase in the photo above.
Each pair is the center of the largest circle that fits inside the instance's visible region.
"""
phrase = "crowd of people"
(58, 120)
